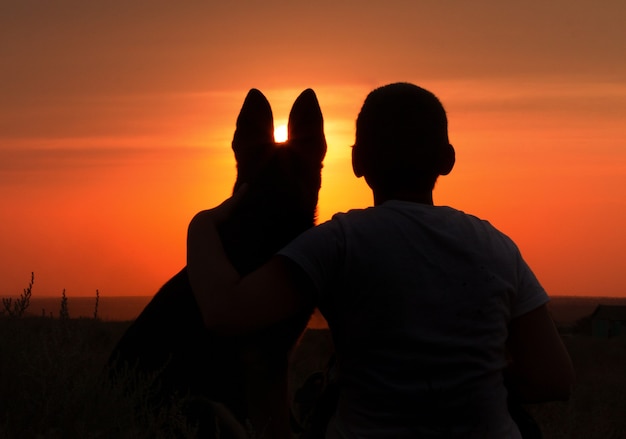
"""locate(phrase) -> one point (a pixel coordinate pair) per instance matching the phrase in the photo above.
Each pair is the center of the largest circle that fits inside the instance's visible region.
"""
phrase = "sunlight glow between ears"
(280, 133)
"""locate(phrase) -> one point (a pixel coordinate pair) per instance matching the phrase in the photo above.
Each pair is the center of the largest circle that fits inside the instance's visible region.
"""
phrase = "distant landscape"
(568, 309)
(116, 308)
(565, 310)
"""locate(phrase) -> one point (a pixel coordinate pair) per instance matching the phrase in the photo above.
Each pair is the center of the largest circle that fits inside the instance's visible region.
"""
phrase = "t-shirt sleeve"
(530, 294)
(320, 253)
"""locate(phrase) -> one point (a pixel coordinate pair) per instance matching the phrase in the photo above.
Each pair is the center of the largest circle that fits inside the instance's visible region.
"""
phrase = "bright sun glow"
(280, 133)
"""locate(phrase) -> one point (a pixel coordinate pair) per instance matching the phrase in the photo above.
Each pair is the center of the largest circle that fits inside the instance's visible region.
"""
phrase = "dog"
(245, 375)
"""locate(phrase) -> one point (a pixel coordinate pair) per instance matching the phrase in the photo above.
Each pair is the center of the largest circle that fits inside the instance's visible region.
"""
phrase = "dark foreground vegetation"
(52, 386)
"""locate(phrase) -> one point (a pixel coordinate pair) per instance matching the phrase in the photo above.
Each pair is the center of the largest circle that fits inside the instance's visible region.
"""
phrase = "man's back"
(418, 300)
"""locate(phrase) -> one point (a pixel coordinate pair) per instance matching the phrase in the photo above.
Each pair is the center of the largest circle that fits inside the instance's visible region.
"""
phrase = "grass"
(53, 386)
(51, 383)
(597, 408)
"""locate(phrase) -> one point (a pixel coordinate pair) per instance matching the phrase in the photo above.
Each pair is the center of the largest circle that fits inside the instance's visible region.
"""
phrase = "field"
(50, 384)
(597, 408)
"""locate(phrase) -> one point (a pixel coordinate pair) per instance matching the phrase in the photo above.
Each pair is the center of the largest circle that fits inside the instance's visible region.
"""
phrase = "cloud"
(67, 164)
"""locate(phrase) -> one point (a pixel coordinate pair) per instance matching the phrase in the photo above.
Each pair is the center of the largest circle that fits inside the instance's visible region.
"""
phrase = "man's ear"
(359, 164)
(357, 161)
(447, 158)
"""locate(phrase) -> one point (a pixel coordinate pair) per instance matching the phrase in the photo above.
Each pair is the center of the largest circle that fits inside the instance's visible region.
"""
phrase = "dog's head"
(283, 178)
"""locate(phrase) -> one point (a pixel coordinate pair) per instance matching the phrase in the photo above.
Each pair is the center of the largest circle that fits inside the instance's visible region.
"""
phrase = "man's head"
(402, 139)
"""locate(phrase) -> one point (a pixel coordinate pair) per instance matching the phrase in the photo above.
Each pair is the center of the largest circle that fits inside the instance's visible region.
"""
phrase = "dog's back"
(246, 374)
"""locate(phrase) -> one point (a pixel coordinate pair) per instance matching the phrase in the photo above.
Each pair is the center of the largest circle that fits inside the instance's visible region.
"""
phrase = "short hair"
(399, 132)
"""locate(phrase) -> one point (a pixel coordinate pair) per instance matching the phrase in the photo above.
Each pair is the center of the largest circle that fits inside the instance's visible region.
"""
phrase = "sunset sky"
(116, 120)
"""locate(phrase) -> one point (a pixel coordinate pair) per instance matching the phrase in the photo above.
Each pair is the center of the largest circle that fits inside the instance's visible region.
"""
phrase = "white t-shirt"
(418, 299)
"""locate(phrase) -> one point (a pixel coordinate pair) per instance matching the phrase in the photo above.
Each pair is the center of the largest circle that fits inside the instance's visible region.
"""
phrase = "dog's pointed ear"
(254, 133)
(306, 125)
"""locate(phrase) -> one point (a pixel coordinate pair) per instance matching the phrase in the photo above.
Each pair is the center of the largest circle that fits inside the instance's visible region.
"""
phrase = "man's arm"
(231, 304)
(542, 369)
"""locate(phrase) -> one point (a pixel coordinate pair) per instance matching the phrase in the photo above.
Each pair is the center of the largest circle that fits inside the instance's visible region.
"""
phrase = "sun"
(280, 133)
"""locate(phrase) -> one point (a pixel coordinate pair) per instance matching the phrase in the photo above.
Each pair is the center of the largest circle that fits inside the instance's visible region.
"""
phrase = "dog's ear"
(306, 126)
(254, 134)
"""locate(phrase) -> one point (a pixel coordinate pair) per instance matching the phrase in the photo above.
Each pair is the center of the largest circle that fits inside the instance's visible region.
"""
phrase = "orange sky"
(116, 120)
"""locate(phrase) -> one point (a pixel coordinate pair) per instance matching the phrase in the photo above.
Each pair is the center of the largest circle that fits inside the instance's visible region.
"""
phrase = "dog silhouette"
(247, 375)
